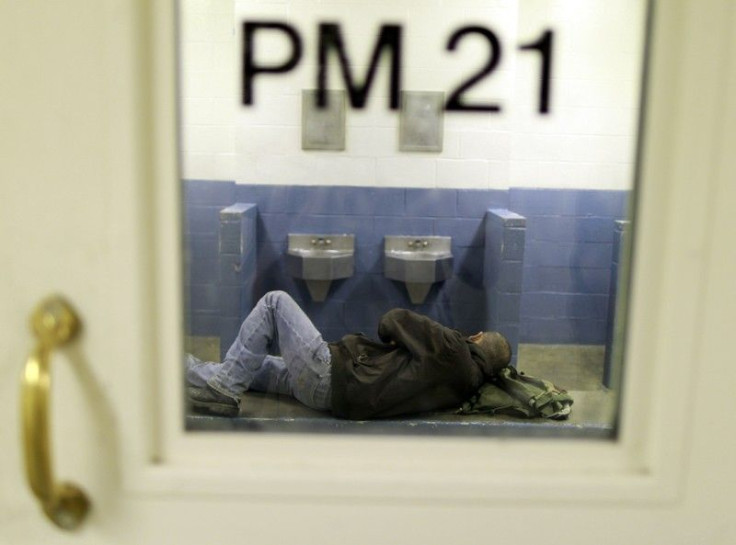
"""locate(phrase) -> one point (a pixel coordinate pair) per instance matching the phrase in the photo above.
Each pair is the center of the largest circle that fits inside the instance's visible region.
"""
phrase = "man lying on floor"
(418, 365)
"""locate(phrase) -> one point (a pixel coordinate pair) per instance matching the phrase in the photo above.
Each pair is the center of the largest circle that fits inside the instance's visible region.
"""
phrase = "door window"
(472, 164)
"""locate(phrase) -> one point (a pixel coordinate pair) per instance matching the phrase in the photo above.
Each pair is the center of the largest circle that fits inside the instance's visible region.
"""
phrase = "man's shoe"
(209, 400)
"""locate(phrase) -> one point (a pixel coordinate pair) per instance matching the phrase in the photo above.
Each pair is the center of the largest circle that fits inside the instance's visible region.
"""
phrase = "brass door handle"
(54, 324)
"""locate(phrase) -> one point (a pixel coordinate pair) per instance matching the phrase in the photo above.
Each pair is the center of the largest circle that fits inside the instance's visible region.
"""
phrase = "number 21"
(544, 45)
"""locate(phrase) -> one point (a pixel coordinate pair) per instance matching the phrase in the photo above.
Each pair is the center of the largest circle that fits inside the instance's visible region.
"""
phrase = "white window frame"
(681, 144)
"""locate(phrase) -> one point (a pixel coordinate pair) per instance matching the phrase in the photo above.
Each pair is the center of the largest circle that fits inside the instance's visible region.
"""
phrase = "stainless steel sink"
(419, 262)
(318, 259)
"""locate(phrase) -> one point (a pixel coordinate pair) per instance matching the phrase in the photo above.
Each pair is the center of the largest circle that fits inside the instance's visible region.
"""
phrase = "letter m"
(389, 40)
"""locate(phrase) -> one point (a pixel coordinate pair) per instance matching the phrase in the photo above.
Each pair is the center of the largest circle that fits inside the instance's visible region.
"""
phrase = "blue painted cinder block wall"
(357, 303)
(566, 266)
(202, 203)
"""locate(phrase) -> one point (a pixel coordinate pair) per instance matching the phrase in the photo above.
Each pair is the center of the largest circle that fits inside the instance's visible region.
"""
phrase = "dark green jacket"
(418, 365)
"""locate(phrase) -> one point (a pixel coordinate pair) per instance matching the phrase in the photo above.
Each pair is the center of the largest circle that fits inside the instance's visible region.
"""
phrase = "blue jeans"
(275, 325)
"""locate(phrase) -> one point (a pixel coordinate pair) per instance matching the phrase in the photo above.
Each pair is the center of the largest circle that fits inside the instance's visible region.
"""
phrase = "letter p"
(251, 68)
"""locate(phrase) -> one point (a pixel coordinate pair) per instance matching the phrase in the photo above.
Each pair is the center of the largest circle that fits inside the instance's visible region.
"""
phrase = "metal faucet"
(418, 243)
(321, 241)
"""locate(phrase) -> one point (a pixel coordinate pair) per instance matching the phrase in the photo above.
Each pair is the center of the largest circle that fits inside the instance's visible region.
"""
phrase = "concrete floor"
(572, 367)
(578, 369)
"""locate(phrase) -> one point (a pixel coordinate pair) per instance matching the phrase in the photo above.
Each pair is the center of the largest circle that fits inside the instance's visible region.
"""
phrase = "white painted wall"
(586, 142)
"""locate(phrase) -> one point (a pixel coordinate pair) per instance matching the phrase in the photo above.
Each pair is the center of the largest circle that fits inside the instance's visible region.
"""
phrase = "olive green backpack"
(513, 393)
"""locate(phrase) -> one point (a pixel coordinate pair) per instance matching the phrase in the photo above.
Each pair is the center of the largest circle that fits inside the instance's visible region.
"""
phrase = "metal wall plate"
(421, 121)
(323, 128)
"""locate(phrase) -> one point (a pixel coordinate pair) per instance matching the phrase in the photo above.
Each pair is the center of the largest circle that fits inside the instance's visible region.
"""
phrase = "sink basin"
(319, 259)
(416, 255)
(419, 262)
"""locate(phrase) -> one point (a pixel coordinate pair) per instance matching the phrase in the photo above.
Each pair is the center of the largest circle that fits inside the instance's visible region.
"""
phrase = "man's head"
(495, 349)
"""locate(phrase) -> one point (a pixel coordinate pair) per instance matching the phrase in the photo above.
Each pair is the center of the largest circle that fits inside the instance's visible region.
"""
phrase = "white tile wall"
(208, 86)
(469, 172)
(587, 142)
(406, 170)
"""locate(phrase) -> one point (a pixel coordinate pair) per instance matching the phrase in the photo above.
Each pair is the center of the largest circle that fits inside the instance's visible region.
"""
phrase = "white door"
(88, 210)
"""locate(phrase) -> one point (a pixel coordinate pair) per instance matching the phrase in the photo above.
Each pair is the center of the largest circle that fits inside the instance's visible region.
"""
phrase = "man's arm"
(415, 332)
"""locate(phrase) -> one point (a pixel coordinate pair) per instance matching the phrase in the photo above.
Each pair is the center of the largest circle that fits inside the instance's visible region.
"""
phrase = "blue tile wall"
(567, 265)
(356, 304)
(561, 291)
(203, 201)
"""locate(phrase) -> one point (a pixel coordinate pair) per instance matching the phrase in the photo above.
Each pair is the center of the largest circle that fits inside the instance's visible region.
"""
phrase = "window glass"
(367, 185)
